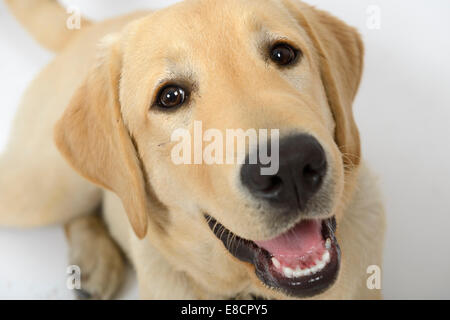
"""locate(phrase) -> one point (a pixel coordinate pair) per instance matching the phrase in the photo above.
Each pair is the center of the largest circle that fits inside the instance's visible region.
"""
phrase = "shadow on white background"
(403, 111)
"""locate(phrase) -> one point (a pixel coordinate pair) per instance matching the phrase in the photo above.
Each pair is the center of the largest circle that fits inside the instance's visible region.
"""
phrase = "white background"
(403, 111)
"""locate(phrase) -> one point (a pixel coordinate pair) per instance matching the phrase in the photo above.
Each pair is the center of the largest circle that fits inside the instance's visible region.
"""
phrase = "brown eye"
(171, 97)
(283, 54)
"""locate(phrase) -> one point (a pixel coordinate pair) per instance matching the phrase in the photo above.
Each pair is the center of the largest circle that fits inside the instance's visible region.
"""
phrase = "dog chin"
(302, 262)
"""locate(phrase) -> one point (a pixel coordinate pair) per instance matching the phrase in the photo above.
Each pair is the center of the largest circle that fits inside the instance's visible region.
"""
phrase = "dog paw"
(98, 257)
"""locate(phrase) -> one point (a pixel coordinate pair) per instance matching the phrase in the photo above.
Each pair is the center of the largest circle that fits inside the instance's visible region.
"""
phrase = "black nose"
(302, 167)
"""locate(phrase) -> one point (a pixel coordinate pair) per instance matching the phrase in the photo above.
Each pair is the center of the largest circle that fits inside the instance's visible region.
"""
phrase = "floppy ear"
(93, 138)
(340, 51)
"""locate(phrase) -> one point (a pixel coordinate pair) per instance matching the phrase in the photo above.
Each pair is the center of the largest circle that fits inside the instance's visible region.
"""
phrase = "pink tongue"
(302, 243)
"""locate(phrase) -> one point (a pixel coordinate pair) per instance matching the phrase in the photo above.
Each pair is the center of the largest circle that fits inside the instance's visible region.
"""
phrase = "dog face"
(227, 65)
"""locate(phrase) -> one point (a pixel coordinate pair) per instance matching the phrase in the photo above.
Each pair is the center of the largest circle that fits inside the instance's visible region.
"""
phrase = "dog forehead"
(202, 24)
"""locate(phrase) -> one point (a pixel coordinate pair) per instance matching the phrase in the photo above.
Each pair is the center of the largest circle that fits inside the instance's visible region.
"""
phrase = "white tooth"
(328, 243)
(314, 269)
(276, 263)
(326, 257)
(298, 272)
(304, 272)
(288, 272)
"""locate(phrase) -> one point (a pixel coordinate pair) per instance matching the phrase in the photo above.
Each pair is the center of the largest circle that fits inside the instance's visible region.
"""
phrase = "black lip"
(307, 286)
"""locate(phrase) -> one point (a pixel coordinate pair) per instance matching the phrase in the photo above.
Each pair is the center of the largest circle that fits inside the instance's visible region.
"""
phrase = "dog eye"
(283, 54)
(171, 97)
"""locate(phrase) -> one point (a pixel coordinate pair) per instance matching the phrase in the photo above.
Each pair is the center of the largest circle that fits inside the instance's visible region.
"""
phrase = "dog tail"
(47, 21)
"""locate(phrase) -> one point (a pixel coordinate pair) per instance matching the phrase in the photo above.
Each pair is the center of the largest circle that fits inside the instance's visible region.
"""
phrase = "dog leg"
(100, 260)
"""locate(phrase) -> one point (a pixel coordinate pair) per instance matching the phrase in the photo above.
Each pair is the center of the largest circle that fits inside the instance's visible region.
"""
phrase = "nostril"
(312, 177)
(273, 186)
(266, 186)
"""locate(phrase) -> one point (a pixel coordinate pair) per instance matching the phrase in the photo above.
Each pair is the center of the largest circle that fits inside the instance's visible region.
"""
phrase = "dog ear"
(340, 52)
(93, 138)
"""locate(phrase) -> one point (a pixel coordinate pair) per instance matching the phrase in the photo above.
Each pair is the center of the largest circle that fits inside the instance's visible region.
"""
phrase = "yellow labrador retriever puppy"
(92, 148)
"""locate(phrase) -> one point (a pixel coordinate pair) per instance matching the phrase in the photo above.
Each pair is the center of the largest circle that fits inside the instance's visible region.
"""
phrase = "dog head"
(204, 68)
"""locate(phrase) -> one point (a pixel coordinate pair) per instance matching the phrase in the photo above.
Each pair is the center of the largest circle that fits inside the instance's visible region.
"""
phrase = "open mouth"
(302, 262)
